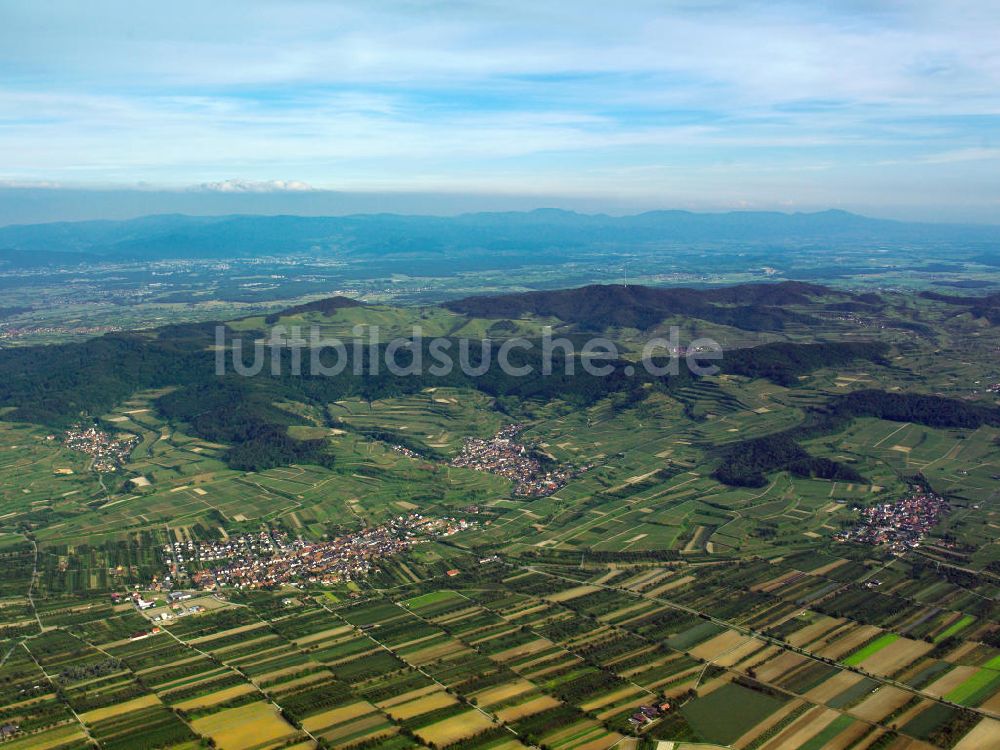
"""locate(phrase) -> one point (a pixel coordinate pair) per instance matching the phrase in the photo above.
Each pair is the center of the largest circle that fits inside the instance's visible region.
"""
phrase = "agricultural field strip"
(944, 564)
(540, 635)
(249, 679)
(419, 669)
(55, 689)
(917, 602)
(792, 695)
(34, 610)
(762, 636)
(628, 505)
(709, 662)
(912, 600)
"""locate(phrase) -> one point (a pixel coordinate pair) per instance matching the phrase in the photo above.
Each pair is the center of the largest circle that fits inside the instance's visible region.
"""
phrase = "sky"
(884, 107)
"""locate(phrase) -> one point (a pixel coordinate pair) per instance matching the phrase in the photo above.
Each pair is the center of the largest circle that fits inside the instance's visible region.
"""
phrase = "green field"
(729, 712)
(981, 685)
(869, 650)
(957, 626)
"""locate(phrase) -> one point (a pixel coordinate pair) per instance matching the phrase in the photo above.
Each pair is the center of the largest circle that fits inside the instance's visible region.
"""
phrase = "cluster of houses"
(109, 452)
(404, 451)
(504, 456)
(901, 525)
(271, 557)
(178, 556)
(646, 714)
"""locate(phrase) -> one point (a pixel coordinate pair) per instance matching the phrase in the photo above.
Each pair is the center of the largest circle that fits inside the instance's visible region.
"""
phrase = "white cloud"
(693, 95)
(965, 154)
(251, 186)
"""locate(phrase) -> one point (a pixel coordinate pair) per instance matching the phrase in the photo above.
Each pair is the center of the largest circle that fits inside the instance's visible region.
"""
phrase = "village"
(900, 525)
(108, 451)
(271, 558)
(649, 714)
(503, 456)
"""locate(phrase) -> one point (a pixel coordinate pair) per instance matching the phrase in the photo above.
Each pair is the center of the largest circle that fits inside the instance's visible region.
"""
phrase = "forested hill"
(747, 463)
(325, 306)
(60, 385)
(979, 307)
(783, 362)
(753, 307)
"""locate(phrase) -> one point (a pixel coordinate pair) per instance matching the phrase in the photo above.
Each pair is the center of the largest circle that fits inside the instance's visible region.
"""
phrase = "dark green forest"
(65, 384)
(747, 463)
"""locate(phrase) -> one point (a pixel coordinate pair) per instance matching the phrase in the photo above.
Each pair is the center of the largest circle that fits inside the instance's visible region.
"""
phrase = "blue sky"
(888, 108)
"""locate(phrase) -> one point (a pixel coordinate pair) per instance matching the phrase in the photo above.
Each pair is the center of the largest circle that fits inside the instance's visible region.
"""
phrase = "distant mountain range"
(514, 233)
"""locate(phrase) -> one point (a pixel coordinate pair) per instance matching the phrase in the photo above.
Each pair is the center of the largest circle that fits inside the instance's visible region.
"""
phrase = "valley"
(641, 588)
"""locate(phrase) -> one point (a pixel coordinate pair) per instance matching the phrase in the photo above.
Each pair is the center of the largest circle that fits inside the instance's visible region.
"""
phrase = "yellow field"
(322, 635)
(534, 706)
(847, 737)
(119, 708)
(774, 583)
(739, 653)
(620, 613)
(985, 734)
(811, 723)
(855, 638)
(573, 593)
(824, 569)
(783, 663)
(433, 653)
(880, 704)
(210, 699)
(602, 742)
(244, 726)
(718, 645)
(408, 696)
(578, 730)
(503, 692)
(614, 697)
(895, 656)
(336, 716)
(523, 650)
(453, 729)
(45, 740)
(232, 631)
(811, 631)
(369, 724)
(835, 685)
(993, 704)
(422, 705)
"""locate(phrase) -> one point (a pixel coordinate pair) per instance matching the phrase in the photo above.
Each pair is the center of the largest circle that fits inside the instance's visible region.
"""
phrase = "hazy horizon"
(888, 109)
(22, 206)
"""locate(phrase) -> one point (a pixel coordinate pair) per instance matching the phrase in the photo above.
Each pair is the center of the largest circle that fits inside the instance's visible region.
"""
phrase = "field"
(729, 712)
(254, 723)
(870, 650)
